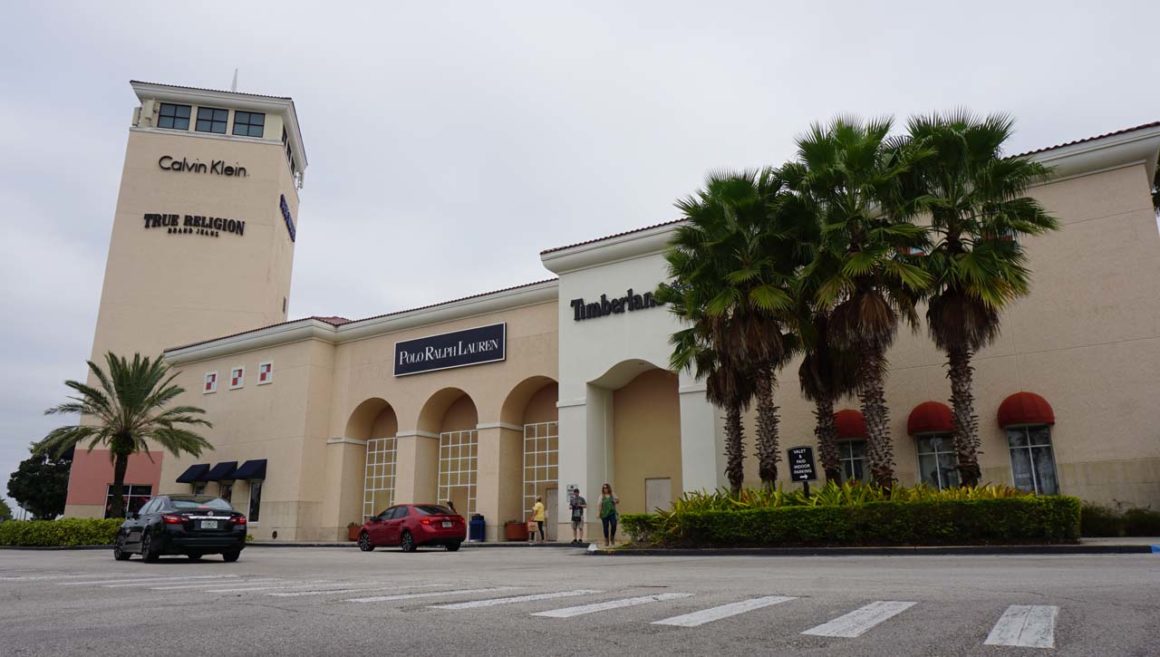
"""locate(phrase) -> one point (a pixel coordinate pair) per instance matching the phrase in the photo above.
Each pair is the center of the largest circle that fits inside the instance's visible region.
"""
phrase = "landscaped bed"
(857, 515)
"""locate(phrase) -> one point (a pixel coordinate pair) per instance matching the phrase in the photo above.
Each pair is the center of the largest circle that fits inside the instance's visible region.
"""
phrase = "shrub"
(1014, 519)
(66, 532)
(1142, 522)
(1099, 520)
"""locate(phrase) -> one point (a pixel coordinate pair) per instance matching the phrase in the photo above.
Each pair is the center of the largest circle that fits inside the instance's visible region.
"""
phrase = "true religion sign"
(486, 344)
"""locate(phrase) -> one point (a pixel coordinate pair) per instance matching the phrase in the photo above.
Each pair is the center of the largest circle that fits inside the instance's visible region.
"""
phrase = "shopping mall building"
(494, 399)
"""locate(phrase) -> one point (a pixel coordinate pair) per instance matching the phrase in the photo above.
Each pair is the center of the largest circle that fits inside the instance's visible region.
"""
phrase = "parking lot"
(557, 601)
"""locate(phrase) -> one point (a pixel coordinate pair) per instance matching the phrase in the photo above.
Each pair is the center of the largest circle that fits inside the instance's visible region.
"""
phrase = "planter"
(352, 532)
(514, 530)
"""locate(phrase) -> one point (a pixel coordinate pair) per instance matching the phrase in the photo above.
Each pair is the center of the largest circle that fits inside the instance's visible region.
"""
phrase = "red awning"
(930, 417)
(850, 424)
(1025, 408)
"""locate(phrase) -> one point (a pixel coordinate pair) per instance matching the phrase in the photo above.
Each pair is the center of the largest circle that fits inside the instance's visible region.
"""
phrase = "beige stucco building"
(492, 400)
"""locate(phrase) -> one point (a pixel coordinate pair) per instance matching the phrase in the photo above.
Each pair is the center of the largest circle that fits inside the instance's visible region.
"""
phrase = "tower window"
(249, 124)
(210, 119)
(174, 117)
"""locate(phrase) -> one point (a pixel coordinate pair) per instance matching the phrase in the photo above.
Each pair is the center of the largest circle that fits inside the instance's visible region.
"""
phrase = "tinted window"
(249, 124)
(188, 503)
(175, 117)
(400, 512)
(433, 510)
(211, 119)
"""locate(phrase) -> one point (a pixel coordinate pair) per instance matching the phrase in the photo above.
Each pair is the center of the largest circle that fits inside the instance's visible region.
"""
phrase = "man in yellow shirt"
(539, 516)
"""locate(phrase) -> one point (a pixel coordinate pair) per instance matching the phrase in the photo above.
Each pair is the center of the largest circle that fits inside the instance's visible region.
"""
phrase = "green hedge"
(1103, 521)
(67, 532)
(1053, 519)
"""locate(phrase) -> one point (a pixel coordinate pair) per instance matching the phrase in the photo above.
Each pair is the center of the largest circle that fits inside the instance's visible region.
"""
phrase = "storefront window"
(852, 456)
(135, 496)
(226, 490)
(937, 463)
(541, 461)
(255, 501)
(199, 488)
(379, 479)
(1032, 459)
(458, 452)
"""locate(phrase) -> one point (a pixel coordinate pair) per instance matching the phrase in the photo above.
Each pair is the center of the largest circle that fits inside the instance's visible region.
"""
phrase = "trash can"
(476, 528)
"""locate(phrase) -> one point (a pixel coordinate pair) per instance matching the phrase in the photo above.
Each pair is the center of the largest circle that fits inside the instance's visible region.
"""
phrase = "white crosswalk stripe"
(860, 620)
(1025, 626)
(206, 585)
(570, 612)
(109, 582)
(273, 586)
(432, 594)
(724, 611)
(41, 578)
(492, 602)
(174, 587)
(346, 588)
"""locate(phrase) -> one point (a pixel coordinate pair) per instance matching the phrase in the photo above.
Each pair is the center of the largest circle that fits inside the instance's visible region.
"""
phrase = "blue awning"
(193, 473)
(222, 471)
(255, 469)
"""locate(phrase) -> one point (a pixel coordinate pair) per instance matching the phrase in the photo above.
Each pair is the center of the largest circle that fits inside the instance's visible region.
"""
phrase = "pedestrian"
(608, 513)
(451, 505)
(539, 515)
(577, 504)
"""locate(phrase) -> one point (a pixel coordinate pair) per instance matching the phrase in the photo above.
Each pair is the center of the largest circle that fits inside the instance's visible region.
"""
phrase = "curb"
(465, 545)
(912, 551)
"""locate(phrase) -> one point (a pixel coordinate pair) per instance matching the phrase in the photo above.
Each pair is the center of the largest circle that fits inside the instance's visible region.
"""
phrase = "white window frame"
(206, 379)
(241, 370)
(250, 501)
(223, 486)
(545, 474)
(843, 459)
(460, 448)
(379, 474)
(269, 373)
(918, 454)
(1051, 450)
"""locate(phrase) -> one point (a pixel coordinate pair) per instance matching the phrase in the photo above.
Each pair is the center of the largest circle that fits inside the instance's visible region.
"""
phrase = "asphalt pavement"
(561, 602)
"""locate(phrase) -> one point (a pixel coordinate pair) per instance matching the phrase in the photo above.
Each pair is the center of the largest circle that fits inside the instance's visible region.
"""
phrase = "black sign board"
(801, 463)
(486, 344)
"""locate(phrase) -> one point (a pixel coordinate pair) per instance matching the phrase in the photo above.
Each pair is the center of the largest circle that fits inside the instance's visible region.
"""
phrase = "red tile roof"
(608, 237)
(1144, 126)
(216, 91)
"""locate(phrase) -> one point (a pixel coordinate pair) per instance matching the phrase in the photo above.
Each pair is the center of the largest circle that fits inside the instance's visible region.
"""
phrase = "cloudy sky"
(450, 143)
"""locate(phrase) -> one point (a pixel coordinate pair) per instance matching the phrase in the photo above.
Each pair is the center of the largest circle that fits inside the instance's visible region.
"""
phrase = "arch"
(1025, 408)
(930, 417)
(850, 423)
(622, 373)
(373, 418)
(646, 436)
(516, 404)
(451, 404)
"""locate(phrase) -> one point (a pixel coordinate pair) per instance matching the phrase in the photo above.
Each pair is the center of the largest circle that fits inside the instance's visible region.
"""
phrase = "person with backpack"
(577, 504)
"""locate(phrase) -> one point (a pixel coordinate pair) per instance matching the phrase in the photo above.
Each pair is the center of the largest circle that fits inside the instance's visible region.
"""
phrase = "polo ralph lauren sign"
(486, 344)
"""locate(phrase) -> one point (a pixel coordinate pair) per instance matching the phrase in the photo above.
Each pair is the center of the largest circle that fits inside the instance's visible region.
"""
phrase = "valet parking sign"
(801, 464)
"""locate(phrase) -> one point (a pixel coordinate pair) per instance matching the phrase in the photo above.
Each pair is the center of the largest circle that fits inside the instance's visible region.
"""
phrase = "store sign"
(213, 167)
(194, 224)
(486, 344)
(582, 309)
(288, 218)
(801, 464)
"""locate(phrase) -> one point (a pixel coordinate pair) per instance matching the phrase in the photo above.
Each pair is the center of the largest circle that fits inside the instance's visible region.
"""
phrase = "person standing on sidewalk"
(539, 515)
(608, 513)
(577, 504)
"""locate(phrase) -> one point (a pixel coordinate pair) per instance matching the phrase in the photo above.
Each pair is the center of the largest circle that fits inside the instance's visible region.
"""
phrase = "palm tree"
(125, 411)
(978, 210)
(849, 173)
(826, 374)
(731, 267)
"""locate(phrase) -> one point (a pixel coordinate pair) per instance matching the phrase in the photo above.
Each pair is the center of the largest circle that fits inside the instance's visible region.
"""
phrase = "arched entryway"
(531, 408)
(374, 421)
(451, 415)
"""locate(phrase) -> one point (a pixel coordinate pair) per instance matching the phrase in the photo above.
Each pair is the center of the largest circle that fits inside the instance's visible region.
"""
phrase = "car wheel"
(149, 551)
(453, 547)
(193, 556)
(408, 542)
(119, 552)
(364, 542)
(231, 556)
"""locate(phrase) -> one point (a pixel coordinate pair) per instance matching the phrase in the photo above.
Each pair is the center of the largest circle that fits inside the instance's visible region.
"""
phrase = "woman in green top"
(608, 513)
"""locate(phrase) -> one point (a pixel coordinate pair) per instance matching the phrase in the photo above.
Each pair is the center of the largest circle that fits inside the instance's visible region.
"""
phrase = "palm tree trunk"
(872, 396)
(734, 448)
(966, 425)
(767, 424)
(827, 435)
(120, 465)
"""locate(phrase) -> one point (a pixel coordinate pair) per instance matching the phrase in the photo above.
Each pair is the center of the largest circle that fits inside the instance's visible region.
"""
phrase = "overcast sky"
(450, 143)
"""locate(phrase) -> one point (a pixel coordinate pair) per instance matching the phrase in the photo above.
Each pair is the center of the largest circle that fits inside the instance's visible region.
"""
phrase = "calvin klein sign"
(630, 302)
(214, 167)
(486, 344)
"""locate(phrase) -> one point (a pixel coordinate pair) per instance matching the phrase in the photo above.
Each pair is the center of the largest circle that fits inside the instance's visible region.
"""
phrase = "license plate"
(446, 523)
(209, 524)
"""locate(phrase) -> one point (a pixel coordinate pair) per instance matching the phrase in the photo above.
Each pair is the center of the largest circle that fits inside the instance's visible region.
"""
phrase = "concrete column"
(416, 467)
(585, 455)
(702, 438)
(342, 496)
(499, 475)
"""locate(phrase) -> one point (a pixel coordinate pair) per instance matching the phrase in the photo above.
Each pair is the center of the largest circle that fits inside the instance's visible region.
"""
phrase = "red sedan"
(412, 525)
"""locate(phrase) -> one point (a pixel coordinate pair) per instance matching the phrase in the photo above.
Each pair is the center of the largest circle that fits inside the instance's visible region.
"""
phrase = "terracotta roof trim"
(1143, 126)
(213, 91)
(610, 237)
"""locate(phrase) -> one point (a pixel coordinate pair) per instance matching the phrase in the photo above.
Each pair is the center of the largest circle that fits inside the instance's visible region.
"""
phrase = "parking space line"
(724, 611)
(275, 587)
(146, 580)
(1025, 626)
(492, 602)
(860, 620)
(204, 585)
(432, 594)
(570, 612)
(351, 589)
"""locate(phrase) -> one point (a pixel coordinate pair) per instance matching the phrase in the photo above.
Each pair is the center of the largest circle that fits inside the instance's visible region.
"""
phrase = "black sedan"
(193, 525)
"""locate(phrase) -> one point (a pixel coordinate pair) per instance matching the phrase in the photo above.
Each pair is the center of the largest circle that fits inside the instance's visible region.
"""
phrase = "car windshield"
(433, 510)
(193, 503)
